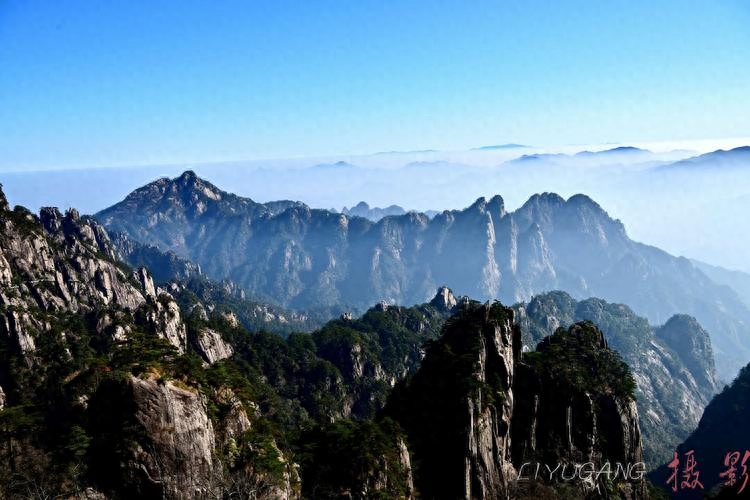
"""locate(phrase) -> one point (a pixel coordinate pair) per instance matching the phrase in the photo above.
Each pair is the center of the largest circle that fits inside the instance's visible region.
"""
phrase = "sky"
(136, 82)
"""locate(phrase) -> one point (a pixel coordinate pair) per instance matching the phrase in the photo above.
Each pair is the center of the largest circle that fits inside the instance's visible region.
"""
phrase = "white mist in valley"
(682, 200)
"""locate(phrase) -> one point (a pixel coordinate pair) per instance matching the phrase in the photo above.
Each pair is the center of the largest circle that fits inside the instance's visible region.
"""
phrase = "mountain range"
(660, 203)
(291, 255)
(111, 388)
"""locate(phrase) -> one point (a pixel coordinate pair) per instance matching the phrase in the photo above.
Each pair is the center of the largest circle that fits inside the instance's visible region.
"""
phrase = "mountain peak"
(737, 157)
(583, 200)
(3, 199)
(547, 199)
(187, 175)
(479, 204)
(614, 151)
(444, 300)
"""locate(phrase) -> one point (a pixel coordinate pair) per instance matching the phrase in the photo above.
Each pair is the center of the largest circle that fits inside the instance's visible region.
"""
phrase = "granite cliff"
(672, 363)
(102, 390)
(479, 412)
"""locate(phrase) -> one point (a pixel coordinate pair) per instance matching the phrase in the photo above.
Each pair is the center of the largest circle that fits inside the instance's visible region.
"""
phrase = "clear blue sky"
(120, 82)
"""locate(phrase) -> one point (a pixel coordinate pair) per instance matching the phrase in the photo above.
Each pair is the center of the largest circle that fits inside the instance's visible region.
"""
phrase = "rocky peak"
(545, 200)
(570, 402)
(575, 404)
(187, 177)
(444, 300)
(496, 206)
(584, 333)
(686, 337)
(463, 393)
(73, 214)
(479, 205)
(581, 200)
(3, 199)
(51, 219)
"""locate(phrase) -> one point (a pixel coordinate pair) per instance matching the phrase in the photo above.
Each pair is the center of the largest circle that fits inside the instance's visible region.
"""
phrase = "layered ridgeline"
(672, 364)
(303, 258)
(199, 295)
(111, 390)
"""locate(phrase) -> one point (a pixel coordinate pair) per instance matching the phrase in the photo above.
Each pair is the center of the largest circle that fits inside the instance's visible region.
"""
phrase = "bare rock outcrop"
(477, 412)
(177, 455)
(212, 347)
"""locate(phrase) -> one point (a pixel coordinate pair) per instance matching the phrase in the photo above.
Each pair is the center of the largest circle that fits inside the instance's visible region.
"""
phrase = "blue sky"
(103, 83)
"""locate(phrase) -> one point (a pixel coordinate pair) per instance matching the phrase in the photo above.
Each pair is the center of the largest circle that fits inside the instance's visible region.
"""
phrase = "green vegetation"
(357, 458)
(431, 405)
(576, 361)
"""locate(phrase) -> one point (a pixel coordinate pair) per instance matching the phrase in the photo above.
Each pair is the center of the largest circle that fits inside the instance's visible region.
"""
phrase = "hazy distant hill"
(736, 280)
(737, 157)
(303, 258)
(362, 209)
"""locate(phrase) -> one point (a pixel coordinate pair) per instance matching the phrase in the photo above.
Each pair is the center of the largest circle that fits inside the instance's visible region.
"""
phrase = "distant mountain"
(672, 364)
(736, 280)
(622, 150)
(298, 257)
(339, 165)
(539, 157)
(374, 214)
(620, 156)
(733, 158)
(362, 209)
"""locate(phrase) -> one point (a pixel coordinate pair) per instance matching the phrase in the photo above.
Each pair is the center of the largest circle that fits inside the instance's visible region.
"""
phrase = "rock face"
(154, 439)
(476, 410)
(672, 364)
(444, 300)
(304, 258)
(212, 347)
(66, 264)
(99, 398)
(177, 456)
(165, 318)
(571, 414)
(687, 338)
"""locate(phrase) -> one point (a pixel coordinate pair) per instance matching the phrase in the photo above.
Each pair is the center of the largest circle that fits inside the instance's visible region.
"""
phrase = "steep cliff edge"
(457, 408)
(672, 364)
(477, 413)
(578, 407)
(101, 389)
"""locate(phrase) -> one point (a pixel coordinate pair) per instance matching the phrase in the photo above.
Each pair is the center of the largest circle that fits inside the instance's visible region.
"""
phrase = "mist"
(685, 203)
